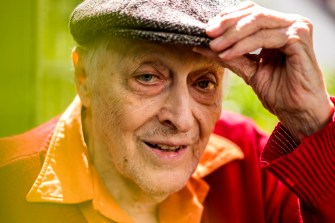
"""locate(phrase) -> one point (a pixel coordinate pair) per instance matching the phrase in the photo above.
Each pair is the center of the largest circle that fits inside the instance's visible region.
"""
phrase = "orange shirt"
(68, 177)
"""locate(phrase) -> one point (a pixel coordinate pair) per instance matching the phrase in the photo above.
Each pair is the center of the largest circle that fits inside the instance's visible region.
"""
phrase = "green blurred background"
(35, 62)
(36, 80)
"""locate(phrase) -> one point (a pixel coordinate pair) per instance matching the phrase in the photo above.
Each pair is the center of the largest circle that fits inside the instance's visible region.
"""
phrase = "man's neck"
(138, 205)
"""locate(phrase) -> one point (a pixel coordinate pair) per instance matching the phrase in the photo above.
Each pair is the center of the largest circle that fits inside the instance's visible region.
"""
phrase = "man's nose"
(176, 110)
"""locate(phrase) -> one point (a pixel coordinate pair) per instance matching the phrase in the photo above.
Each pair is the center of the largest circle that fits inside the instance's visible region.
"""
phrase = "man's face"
(153, 108)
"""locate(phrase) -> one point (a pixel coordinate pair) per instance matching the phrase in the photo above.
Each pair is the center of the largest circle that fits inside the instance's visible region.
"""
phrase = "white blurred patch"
(256, 52)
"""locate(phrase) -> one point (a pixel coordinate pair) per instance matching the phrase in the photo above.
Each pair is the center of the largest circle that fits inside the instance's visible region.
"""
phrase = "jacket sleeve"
(307, 169)
(257, 188)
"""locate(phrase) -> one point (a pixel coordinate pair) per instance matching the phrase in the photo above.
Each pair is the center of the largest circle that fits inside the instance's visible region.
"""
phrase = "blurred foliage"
(36, 80)
(330, 82)
(17, 79)
(239, 98)
(55, 85)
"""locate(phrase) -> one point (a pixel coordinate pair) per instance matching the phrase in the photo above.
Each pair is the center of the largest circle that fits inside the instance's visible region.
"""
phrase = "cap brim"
(174, 22)
(160, 37)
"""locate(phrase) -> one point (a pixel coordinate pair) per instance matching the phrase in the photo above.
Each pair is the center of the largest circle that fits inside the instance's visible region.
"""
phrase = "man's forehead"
(139, 50)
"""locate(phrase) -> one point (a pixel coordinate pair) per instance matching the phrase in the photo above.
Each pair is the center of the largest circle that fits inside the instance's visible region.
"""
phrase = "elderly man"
(145, 140)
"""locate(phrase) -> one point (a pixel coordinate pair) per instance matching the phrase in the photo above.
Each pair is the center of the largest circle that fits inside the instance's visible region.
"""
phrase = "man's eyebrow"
(208, 64)
(147, 56)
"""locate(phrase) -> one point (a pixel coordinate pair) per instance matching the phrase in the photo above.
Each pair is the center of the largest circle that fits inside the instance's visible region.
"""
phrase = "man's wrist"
(305, 124)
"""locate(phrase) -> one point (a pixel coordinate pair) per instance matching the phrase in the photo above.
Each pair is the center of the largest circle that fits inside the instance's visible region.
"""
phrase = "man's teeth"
(165, 147)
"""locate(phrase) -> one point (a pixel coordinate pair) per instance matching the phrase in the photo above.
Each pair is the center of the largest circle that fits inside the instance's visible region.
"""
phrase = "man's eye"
(147, 78)
(206, 85)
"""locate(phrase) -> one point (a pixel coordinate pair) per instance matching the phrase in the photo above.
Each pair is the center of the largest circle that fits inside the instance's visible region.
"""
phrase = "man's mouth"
(165, 148)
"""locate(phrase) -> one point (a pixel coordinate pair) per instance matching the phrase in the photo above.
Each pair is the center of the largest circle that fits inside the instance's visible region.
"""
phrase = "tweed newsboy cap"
(164, 21)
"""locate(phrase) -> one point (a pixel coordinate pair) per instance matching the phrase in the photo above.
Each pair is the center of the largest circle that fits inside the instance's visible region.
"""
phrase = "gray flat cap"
(163, 21)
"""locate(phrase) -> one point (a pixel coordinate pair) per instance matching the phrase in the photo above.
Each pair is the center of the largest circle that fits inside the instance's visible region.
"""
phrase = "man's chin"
(160, 191)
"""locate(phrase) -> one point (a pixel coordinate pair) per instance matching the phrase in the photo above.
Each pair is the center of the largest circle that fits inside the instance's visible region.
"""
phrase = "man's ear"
(80, 78)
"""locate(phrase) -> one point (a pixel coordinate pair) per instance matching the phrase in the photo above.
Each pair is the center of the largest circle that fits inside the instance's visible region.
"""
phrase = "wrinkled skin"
(285, 74)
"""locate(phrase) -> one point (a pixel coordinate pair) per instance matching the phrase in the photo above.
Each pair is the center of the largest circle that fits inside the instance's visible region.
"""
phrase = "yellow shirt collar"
(68, 177)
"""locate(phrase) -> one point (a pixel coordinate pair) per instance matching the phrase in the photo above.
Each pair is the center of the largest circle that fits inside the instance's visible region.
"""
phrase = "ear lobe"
(80, 78)
(75, 56)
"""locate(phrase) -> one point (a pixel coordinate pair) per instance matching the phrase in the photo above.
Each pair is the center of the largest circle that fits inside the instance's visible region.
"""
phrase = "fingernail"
(224, 54)
(215, 42)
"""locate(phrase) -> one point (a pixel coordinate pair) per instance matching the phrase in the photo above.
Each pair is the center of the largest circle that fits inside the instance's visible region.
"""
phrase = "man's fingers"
(244, 66)
(228, 17)
(220, 24)
(237, 42)
(246, 27)
(267, 39)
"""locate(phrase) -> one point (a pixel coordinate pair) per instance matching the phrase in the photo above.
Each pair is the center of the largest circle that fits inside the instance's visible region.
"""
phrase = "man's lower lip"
(169, 154)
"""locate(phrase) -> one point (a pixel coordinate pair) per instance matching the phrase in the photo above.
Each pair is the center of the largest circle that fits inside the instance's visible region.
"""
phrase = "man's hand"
(285, 74)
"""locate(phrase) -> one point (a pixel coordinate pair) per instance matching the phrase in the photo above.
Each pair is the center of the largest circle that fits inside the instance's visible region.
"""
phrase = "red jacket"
(241, 191)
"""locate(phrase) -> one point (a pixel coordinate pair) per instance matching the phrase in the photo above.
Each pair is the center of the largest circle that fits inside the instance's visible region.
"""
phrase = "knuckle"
(259, 15)
(304, 24)
(308, 23)
(301, 29)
